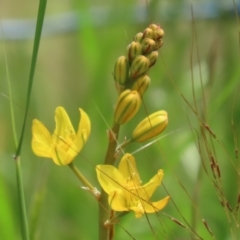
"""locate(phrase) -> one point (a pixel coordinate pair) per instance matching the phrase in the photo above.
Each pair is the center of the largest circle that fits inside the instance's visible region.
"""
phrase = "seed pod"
(150, 127)
(134, 49)
(127, 106)
(138, 37)
(147, 45)
(152, 56)
(139, 66)
(141, 84)
(121, 70)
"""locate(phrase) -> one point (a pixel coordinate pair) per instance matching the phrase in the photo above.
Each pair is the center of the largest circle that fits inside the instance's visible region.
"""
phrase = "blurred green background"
(80, 44)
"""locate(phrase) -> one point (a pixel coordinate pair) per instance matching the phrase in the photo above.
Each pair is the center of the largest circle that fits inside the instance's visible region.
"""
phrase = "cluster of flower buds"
(130, 72)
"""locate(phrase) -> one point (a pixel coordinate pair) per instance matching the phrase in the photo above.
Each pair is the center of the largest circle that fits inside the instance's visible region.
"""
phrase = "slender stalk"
(104, 210)
(85, 182)
(23, 214)
(10, 95)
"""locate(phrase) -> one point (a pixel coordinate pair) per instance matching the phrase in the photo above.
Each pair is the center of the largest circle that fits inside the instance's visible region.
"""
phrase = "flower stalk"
(104, 208)
(87, 185)
(131, 81)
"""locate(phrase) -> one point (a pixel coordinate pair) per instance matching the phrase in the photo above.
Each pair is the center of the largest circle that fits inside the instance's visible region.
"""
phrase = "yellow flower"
(124, 189)
(64, 144)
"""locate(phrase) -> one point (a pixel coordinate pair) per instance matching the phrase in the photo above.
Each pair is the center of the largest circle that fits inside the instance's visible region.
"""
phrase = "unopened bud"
(154, 26)
(148, 33)
(138, 37)
(147, 45)
(157, 31)
(158, 34)
(127, 106)
(150, 127)
(158, 44)
(141, 84)
(152, 56)
(121, 70)
(134, 49)
(139, 66)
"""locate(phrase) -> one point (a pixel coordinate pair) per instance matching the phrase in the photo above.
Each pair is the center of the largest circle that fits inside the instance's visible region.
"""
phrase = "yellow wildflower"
(124, 189)
(64, 144)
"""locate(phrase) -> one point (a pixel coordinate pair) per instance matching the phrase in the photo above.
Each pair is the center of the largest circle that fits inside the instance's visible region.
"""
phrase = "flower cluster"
(123, 184)
(130, 72)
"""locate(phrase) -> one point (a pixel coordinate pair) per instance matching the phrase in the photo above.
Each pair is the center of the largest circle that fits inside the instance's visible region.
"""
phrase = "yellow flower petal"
(128, 168)
(139, 210)
(149, 188)
(41, 140)
(60, 156)
(155, 206)
(117, 201)
(64, 132)
(110, 178)
(83, 132)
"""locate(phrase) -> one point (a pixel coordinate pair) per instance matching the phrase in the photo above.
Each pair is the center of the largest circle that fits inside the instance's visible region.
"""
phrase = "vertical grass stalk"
(23, 214)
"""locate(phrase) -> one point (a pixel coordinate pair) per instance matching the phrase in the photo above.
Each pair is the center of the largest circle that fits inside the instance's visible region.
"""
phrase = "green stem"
(104, 210)
(85, 182)
(113, 220)
(23, 214)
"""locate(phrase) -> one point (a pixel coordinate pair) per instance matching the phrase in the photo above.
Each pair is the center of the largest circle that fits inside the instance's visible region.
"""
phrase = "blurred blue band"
(23, 29)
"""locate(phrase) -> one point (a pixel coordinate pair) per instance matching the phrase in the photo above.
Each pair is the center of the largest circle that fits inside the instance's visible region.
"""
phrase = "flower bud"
(153, 56)
(158, 44)
(154, 26)
(138, 37)
(127, 106)
(134, 49)
(147, 45)
(121, 70)
(139, 66)
(158, 34)
(148, 33)
(141, 84)
(150, 127)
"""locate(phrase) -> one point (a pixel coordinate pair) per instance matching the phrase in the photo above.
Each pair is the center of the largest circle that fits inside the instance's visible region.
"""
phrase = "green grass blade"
(41, 14)
(10, 93)
(23, 215)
